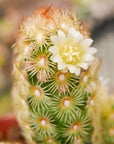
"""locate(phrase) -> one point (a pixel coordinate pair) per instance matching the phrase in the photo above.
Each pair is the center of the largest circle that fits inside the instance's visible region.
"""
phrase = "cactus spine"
(55, 87)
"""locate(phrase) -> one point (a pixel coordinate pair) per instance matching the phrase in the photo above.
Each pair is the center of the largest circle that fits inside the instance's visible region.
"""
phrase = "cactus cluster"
(107, 116)
(108, 121)
(55, 81)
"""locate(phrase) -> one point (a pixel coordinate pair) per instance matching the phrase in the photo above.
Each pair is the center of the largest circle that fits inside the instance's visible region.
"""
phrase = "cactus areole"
(55, 79)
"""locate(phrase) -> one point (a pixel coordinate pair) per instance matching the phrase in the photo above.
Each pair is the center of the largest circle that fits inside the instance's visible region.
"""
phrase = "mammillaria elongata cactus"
(55, 88)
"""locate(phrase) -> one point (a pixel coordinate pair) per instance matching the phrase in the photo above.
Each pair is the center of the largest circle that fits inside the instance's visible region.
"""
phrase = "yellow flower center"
(71, 52)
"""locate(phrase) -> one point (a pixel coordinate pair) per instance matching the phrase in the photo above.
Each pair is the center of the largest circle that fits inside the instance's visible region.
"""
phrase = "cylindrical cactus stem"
(107, 116)
(55, 79)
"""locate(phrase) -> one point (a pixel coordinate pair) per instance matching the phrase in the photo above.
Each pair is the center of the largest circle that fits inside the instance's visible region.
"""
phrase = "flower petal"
(87, 42)
(74, 69)
(54, 40)
(83, 65)
(92, 50)
(61, 66)
(61, 35)
(88, 57)
(56, 58)
(53, 49)
(76, 36)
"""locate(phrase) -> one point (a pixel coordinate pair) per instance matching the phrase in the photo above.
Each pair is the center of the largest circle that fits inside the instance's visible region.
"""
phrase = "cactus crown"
(55, 81)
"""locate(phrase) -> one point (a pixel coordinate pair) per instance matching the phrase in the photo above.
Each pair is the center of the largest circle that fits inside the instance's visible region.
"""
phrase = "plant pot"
(9, 129)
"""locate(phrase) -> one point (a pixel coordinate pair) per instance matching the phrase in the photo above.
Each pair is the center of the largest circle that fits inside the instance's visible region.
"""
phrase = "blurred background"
(98, 16)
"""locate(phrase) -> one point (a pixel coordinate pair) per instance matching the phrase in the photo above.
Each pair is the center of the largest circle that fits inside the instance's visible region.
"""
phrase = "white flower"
(72, 51)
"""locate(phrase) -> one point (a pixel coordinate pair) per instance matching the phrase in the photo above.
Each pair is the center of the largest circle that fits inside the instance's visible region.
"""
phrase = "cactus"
(107, 116)
(55, 81)
(108, 121)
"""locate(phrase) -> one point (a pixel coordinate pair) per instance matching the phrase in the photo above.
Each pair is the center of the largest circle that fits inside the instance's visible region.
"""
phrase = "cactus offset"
(55, 79)
(108, 121)
(107, 116)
